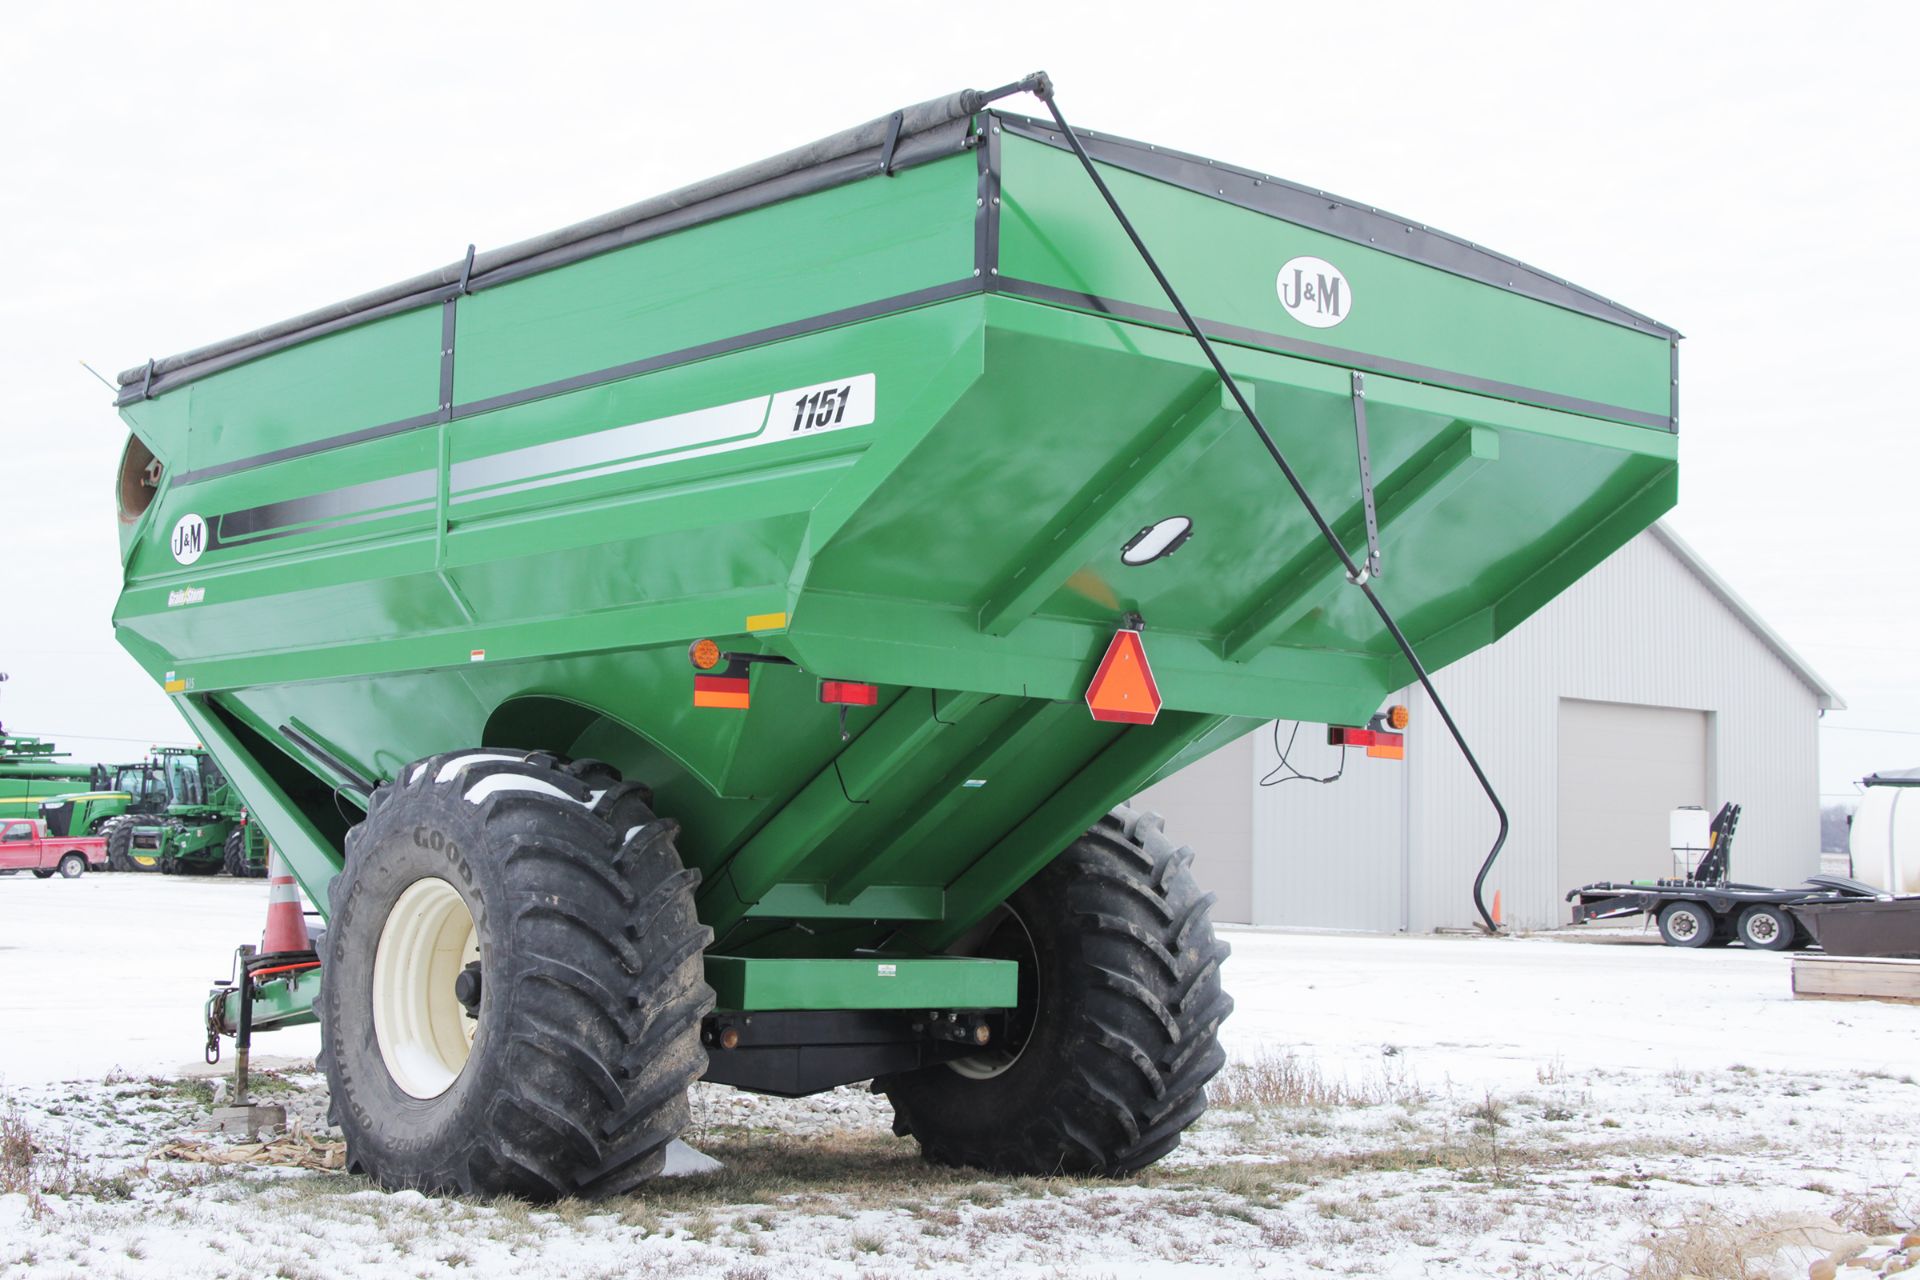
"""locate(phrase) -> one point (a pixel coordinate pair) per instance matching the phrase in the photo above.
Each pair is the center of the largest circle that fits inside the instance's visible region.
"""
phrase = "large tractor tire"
(234, 860)
(514, 983)
(1106, 1060)
(119, 842)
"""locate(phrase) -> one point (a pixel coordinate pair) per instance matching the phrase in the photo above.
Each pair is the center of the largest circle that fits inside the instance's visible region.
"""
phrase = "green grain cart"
(663, 648)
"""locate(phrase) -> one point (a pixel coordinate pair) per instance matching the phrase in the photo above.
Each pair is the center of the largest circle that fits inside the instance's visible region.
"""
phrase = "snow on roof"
(1829, 699)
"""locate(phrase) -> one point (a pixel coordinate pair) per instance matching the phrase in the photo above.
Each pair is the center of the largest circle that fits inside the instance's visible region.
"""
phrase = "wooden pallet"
(1855, 978)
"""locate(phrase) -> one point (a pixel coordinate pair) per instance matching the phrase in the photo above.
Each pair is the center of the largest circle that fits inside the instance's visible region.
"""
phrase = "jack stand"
(244, 1116)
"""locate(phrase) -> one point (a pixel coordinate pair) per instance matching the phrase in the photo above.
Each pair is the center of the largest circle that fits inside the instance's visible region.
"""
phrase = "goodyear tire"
(559, 882)
(1106, 1060)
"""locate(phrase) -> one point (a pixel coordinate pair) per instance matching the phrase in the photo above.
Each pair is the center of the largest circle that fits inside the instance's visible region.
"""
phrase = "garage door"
(1623, 769)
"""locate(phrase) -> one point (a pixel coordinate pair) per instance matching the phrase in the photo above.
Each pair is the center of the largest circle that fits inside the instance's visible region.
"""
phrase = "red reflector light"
(849, 693)
(1379, 743)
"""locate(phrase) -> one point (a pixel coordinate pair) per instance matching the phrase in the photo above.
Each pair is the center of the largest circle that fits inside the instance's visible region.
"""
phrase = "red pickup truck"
(26, 846)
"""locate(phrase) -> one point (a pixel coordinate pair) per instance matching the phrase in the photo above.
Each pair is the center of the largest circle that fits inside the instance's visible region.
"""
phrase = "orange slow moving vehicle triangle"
(1122, 690)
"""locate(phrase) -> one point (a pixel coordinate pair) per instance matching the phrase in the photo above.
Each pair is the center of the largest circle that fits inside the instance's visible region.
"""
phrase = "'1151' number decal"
(825, 408)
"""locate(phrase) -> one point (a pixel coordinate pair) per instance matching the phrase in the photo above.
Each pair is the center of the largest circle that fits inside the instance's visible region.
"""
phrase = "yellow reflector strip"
(766, 621)
(731, 701)
(175, 686)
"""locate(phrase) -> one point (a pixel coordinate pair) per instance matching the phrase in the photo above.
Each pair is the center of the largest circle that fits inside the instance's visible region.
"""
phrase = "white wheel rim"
(420, 1026)
(1684, 924)
(993, 1062)
(1762, 928)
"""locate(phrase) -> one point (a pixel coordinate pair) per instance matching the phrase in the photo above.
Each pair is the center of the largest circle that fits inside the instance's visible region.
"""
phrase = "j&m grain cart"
(663, 648)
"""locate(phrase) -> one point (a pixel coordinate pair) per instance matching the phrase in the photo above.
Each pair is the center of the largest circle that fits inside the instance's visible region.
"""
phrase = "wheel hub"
(426, 988)
(466, 989)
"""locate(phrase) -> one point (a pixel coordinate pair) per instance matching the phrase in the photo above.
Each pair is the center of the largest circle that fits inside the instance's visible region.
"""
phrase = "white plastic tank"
(1688, 832)
(1885, 840)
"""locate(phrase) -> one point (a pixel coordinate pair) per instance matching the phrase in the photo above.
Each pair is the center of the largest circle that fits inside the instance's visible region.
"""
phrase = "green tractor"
(712, 641)
(201, 830)
(120, 794)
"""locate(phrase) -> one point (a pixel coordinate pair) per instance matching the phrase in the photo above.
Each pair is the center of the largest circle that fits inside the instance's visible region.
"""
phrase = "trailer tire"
(1108, 1056)
(73, 866)
(1686, 924)
(1763, 927)
(589, 996)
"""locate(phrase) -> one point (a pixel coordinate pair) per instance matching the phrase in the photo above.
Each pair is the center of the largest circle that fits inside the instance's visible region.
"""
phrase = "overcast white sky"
(177, 173)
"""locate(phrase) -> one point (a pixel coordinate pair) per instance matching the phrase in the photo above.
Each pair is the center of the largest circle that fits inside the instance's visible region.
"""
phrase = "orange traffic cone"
(286, 925)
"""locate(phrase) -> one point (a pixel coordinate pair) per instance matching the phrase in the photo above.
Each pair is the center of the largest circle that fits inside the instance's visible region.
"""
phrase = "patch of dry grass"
(1287, 1080)
(1877, 1213)
(1709, 1243)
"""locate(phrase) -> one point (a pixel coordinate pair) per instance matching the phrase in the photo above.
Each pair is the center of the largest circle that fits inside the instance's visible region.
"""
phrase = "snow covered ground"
(1563, 1106)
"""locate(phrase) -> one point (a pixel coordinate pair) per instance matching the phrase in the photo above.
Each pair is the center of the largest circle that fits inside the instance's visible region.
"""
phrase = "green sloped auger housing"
(887, 410)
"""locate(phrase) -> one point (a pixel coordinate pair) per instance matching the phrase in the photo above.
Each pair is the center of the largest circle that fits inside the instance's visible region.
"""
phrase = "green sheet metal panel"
(877, 982)
(1225, 260)
(784, 263)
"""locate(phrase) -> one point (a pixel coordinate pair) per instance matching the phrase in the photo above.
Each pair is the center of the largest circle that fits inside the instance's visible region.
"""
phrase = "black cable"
(1285, 770)
(1043, 89)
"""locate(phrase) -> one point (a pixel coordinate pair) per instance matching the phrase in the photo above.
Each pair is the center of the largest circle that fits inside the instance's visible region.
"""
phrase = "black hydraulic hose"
(1042, 87)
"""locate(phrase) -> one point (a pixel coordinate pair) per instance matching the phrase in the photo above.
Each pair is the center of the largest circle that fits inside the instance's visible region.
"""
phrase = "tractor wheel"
(73, 866)
(1766, 928)
(514, 983)
(1106, 1059)
(1686, 924)
(119, 841)
(235, 857)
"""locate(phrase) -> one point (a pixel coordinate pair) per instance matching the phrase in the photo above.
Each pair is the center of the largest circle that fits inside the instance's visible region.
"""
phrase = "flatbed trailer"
(1705, 908)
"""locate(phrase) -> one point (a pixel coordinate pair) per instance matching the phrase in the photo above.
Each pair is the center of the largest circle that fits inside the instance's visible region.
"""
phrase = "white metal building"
(1646, 686)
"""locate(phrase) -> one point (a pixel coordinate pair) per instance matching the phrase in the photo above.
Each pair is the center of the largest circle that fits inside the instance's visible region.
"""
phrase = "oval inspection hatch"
(1161, 538)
